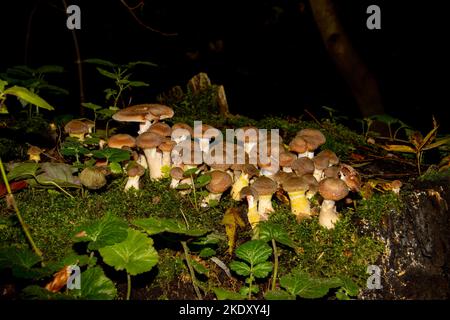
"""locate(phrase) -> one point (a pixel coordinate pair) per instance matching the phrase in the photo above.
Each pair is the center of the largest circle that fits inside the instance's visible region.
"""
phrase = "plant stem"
(129, 286)
(191, 270)
(275, 267)
(19, 216)
(250, 282)
(195, 194)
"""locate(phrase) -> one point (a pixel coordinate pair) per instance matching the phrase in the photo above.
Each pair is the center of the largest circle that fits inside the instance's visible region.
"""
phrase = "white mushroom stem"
(142, 161)
(299, 203)
(305, 155)
(287, 169)
(328, 215)
(267, 172)
(252, 213)
(209, 197)
(181, 138)
(132, 182)
(166, 161)
(265, 204)
(174, 183)
(154, 161)
(144, 126)
(238, 185)
(318, 174)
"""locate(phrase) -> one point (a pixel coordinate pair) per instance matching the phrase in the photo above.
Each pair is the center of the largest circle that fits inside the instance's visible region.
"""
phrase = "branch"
(139, 21)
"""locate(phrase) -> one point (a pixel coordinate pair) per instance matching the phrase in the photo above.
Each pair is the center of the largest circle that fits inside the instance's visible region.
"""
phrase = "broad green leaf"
(106, 113)
(91, 106)
(39, 293)
(153, 226)
(95, 285)
(59, 173)
(101, 62)
(207, 252)
(269, 231)
(190, 172)
(115, 167)
(135, 255)
(112, 154)
(223, 294)
(262, 270)
(202, 181)
(278, 295)
(349, 286)
(107, 73)
(108, 231)
(240, 268)
(23, 170)
(198, 267)
(301, 284)
(254, 252)
(21, 261)
(29, 97)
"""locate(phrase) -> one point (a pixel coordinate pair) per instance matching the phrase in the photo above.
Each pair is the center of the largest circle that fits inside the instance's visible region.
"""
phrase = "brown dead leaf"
(59, 280)
(232, 220)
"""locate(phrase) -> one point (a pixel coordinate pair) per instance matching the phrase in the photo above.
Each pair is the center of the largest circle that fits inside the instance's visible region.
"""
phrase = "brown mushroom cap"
(298, 144)
(313, 137)
(160, 128)
(265, 186)
(281, 176)
(121, 140)
(332, 157)
(248, 191)
(303, 166)
(167, 145)
(34, 151)
(287, 158)
(333, 189)
(295, 183)
(148, 140)
(76, 127)
(177, 173)
(321, 162)
(135, 169)
(181, 129)
(248, 133)
(312, 182)
(143, 112)
(220, 181)
(332, 172)
(93, 177)
(206, 132)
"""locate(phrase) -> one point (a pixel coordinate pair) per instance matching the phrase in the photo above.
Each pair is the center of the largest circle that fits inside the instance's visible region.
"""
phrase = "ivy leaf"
(254, 252)
(262, 270)
(136, 254)
(278, 295)
(108, 231)
(153, 226)
(223, 294)
(95, 286)
(269, 231)
(240, 268)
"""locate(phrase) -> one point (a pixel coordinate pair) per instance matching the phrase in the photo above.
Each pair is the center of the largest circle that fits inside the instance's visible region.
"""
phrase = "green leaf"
(240, 268)
(254, 252)
(20, 261)
(3, 84)
(278, 295)
(262, 270)
(190, 172)
(138, 84)
(29, 97)
(112, 154)
(107, 73)
(223, 294)
(91, 106)
(207, 252)
(108, 231)
(38, 293)
(202, 181)
(385, 118)
(153, 226)
(269, 231)
(115, 167)
(50, 69)
(53, 89)
(209, 239)
(101, 62)
(145, 63)
(95, 285)
(198, 267)
(22, 170)
(59, 173)
(301, 284)
(135, 255)
(349, 286)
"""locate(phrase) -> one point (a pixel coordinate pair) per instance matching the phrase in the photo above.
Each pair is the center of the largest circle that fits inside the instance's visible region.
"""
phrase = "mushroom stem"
(166, 161)
(300, 204)
(174, 183)
(318, 174)
(34, 157)
(79, 136)
(328, 215)
(204, 144)
(132, 182)
(238, 185)
(144, 126)
(265, 204)
(252, 214)
(209, 197)
(287, 169)
(154, 161)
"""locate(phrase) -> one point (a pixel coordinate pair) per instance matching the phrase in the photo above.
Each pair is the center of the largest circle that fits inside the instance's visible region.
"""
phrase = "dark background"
(273, 60)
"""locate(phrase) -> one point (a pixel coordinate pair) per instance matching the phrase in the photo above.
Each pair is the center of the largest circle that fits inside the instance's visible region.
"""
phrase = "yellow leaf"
(429, 138)
(438, 143)
(232, 220)
(399, 148)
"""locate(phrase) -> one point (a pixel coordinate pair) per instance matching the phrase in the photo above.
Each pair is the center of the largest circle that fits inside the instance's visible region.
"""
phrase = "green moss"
(435, 175)
(373, 209)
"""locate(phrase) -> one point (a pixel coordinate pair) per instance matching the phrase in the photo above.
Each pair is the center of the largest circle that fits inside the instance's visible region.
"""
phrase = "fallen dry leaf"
(59, 280)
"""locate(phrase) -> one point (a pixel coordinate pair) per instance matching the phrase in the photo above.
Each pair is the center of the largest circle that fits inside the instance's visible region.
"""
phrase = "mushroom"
(204, 133)
(220, 182)
(350, 176)
(134, 172)
(166, 148)
(296, 187)
(118, 141)
(93, 177)
(181, 132)
(149, 141)
(303, 166)
(76, 129)
(250, 194)
(265, 187)
(323, 160)
(313, 185)
(332, 190)
(298, 145)
(177, 174)
(145, 114)
(332, 172)
(247, 171)
(313, 138)
(34, 153)
(247, 137)
(161, 128)
(286, 160)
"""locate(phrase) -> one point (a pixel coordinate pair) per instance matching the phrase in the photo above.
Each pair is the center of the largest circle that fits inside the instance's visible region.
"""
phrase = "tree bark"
(362, 83)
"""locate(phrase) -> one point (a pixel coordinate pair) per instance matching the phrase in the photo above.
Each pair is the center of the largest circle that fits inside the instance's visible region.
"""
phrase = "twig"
(314, 118)
(191, 270)
(139, 21)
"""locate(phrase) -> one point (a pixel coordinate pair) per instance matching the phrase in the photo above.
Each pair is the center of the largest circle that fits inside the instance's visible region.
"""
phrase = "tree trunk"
(361, 82)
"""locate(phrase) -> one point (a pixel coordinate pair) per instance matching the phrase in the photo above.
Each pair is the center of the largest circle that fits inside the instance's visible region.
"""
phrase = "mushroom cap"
(93, 178)
(250, 169)
(321, 162)
(167, 145)
(298, 144)
(333, 189)
(135, 169)
(281, 176)
(143, 112)
(248, 133)
(248, 191)
(295, 183)
(332, 157)
(303, 166)
(206, 132)
(314, 137)
(148, 140)
(179, 126)
(121, 140)
(33, 150)
(177, 173)
(160, 128)
(286, 158)
(265, 186)
(312, 182)
(76, 127)
(220, 181)
(332, 172)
